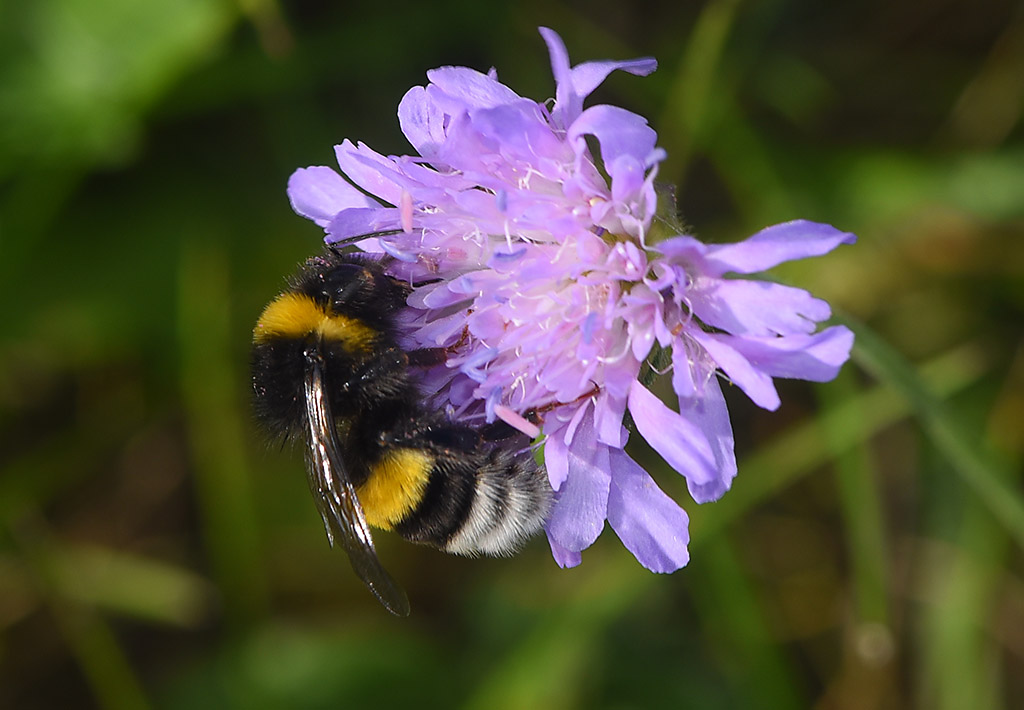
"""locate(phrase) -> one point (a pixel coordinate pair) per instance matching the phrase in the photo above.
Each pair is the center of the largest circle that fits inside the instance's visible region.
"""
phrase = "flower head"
(527, 228)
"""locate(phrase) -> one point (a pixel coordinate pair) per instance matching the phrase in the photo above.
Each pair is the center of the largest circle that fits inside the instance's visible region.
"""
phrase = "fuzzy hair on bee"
(328, 370)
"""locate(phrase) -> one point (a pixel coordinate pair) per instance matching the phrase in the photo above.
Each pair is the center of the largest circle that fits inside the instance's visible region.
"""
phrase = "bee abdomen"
(510, 503)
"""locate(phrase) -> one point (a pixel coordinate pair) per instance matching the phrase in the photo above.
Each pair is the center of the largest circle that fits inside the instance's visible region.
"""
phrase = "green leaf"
(78, 74)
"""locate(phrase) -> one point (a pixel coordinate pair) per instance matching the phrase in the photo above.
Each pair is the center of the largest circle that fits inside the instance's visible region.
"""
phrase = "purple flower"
(548, 273)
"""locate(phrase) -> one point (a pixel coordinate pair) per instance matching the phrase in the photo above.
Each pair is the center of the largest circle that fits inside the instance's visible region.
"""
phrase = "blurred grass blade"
(212, 389)
(963, 588)
(692, 93)
(861, 505)
(963, 632)
(868, 672)
(980, 471)
(743, 159)
(806, 447)
(754, 660)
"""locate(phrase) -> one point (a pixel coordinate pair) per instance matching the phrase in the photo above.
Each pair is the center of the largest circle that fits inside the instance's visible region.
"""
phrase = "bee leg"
(497, 431)
(388, 367)
(427, 357)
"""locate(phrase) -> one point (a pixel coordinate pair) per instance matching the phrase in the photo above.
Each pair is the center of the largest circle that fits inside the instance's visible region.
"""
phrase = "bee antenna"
(355, 239)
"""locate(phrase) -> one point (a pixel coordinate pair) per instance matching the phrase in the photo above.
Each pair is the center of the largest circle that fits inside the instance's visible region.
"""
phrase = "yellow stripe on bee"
(296, 315)
(395, 487)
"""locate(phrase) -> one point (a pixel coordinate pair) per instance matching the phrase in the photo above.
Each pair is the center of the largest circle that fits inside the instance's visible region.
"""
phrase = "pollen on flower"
(568, 276)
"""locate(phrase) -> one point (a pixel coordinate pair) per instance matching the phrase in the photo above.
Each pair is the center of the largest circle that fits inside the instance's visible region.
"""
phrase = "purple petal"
(676, 439)
(487, 323)
(421, 121)
(756, 383)
(443, 297)
(650, 524)
(394, 251)
(520, 132)
(608, 414)
(742, 306)
(620, 132)
(641, 340)
(358, 221)
(575, 84)
(568, 103)
(467, 88)
(574, 422)
(370, 170)
(816, 357)
(556, 458)
(587, 76)
(710, 414)
(628, 177)
(563, 557)
(782, 242)
(682, 370)
(439, 332)
(685, 250)
(582, 502)
(467, 149)
(619, 377)
(318, 193)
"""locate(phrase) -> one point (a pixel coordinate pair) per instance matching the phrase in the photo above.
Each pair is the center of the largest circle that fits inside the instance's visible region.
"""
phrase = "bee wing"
(335, 496)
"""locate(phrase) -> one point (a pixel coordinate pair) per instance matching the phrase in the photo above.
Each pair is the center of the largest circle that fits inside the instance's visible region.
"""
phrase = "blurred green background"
(154, 553)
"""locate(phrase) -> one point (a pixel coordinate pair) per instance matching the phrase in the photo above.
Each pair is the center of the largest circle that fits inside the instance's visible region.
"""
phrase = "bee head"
(354, 286)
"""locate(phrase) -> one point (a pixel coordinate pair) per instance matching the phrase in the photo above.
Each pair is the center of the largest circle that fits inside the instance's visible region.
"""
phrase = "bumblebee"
(327, 369)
